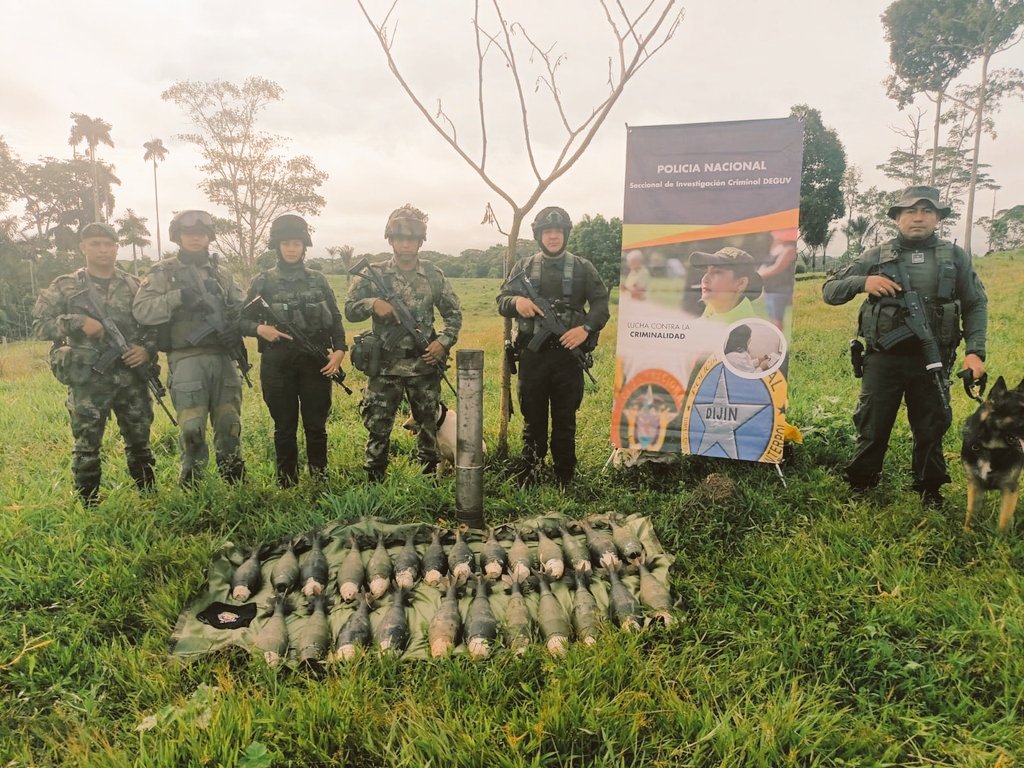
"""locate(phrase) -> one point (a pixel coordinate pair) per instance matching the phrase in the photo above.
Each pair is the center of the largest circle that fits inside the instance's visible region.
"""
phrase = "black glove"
(192, 299)
(228, 338)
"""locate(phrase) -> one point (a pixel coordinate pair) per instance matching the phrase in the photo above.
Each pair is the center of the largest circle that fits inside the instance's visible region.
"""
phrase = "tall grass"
(817, 629)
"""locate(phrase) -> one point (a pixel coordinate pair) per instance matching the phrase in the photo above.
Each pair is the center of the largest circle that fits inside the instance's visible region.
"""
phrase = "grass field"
(815, 629)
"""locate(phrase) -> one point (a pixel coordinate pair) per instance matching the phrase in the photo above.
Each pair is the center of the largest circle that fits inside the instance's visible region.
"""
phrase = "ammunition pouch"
(367, 349)
(879, 318)
(944, 319)
(73, 367)
(59, 358)
(307, 317)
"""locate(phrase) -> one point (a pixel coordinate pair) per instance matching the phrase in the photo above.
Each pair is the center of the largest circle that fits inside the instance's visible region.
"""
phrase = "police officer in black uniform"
(550, 378)
(954, 304)
(294, 380)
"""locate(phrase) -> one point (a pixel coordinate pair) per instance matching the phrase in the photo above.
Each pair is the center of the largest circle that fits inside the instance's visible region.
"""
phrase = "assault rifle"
(915, 324)
(216, 324)
(118, 346)
(547, 325)
(407, 325)
(304, 343)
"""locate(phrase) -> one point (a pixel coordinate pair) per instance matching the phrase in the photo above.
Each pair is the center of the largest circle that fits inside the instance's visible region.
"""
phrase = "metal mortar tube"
(469, 448)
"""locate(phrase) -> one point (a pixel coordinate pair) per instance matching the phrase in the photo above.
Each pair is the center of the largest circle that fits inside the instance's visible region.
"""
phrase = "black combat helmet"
(289, 227)
(200, 220)
(406, 221)
(552, 217)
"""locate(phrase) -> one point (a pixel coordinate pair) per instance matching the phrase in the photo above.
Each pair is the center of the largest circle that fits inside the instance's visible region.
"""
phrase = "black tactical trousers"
(889, 378)
(292, 383)
(550, 378)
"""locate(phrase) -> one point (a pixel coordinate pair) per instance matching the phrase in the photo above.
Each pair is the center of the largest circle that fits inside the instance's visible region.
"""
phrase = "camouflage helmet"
(192, 219)
(406, 221)
(289, 227)
(552, 217)
(98, 229)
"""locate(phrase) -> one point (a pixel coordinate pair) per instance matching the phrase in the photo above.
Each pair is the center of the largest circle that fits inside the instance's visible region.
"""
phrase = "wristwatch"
(588, 329)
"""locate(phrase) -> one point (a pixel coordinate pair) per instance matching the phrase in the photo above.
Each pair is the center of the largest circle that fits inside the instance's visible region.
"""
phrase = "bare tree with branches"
(636, 37)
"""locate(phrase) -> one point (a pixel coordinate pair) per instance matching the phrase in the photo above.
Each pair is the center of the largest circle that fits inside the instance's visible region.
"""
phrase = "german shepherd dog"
(993, 451)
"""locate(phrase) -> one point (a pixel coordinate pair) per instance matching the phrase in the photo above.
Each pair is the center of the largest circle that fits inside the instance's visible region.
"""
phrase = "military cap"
(911, 196)
(98, 229)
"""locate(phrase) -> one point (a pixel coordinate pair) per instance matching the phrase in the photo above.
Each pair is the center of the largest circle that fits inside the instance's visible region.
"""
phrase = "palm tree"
(157, 152)
(132, 230)
(93, 131)
(856, 230)
(342, 252)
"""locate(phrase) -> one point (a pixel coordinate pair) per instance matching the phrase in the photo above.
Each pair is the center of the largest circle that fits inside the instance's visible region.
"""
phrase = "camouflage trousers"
(381, 398)
(89, 406)
(205, 387)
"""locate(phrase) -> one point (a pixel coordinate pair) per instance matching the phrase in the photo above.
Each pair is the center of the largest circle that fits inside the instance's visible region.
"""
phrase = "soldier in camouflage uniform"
(204, 382)
(291, 377)
(64, 314)
(421, 287)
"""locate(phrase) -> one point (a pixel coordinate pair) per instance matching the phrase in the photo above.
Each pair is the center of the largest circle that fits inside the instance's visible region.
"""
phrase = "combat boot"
(527, 473)
(88, 492)
(143, 475)
(375, 474)
(232, 470)
(564, 476)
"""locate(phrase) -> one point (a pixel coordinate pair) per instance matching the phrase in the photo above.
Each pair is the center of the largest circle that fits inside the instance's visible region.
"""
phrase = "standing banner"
(705, 302)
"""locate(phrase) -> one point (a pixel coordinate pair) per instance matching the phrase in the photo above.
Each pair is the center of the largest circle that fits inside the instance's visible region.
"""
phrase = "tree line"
(249, 177)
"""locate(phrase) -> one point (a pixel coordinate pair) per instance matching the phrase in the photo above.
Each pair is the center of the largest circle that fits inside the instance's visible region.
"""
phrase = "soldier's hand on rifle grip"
(92, 328)
(880, 285)
(384, 310)
(334, 361)
(574, 337)
(191, 299)
(228, 338)
(526, 308)
(271, 334)
(435, 353)
(135, 356)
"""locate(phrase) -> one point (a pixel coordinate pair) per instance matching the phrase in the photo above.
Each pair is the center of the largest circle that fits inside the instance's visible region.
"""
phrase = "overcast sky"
(730, 60)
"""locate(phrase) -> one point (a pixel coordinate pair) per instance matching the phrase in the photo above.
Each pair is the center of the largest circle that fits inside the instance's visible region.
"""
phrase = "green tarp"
(193, 637)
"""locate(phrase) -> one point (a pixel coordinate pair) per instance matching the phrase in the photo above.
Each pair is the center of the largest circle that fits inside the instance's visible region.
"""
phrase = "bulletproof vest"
(935, 282)
(71, 359)
(423, 316)
(186, 322)
(301, 302)
(569, 315)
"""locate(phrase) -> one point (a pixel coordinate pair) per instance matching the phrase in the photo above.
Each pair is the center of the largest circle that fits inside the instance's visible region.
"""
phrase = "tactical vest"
(435, 279)
(175, 334)
(306, 309)
(878, 318)
(72, 360)
(569, 315)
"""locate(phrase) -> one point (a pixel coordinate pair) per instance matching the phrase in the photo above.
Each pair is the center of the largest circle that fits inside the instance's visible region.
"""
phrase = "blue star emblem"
(731, 417)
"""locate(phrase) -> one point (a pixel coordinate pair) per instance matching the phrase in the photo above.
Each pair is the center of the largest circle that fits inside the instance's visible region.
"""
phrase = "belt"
(403, 354)
(550, 343)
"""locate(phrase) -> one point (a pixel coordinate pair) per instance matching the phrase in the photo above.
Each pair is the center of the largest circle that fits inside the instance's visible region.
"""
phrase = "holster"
(512, 355)
(366, 353)
(857, 358)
